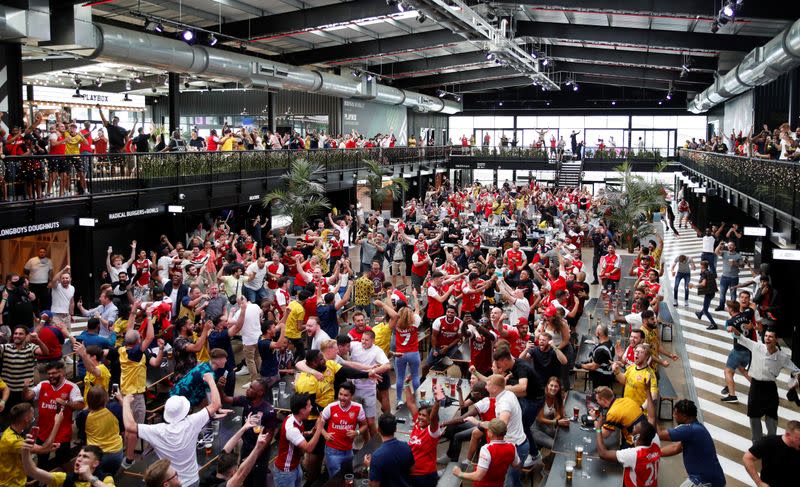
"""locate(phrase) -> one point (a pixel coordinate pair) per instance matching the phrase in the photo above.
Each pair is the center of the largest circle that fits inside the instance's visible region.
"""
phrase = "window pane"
(617, 122)
(527, 122)
(461, 122)
(642, 121)
(665, 122)
(548, 122)
(504, 122)
(484, 122)
(597, 122)
(575, 123)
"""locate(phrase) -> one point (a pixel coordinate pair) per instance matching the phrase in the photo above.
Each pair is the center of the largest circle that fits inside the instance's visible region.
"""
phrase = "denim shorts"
(738, 358)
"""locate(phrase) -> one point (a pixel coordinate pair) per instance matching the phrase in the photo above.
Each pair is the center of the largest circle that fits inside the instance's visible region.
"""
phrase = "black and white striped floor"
(707, 352)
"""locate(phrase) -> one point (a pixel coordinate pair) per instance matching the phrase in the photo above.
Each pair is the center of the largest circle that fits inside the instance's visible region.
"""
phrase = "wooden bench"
(666, 395)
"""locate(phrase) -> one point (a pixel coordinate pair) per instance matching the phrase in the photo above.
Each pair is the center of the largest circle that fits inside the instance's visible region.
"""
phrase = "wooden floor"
(706, 352)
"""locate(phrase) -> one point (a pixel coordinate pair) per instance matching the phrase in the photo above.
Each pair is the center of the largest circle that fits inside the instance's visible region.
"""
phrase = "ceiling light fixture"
(401, 6)
(153, 26)
(613, 102)
(98, 82)
(421, 17)
(575, 87)
(77, 93)
(127, 85)
(714, 26)
(187, 36)
(212, 40)
(126, 98)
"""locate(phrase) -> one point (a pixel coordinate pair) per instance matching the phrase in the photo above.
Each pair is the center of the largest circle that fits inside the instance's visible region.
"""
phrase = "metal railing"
(530, 153)
(49, 176)
(773, 183)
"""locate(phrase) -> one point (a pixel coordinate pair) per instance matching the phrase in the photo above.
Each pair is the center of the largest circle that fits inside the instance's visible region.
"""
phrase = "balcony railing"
(773, 183)
(48, 177)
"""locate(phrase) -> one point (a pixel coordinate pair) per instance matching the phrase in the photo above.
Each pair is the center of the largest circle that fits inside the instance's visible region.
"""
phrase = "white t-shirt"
(344, 235)
(164, 263)
(708, 243)
(258, 276)
(635, 320)
(372, 356)
(318, 338)
(113, 272)
(520, 308)
(177, 442)
(251, 329)
(61, 297)
(507, 401)
(39, 269)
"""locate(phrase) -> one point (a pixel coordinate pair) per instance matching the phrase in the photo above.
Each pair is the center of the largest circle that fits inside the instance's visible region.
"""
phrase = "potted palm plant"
(629, 206)
(381, 191)
(301, 195)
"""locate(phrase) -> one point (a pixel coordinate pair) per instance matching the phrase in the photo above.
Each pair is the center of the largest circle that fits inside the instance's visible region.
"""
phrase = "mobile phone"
(114, 389)
(35, 431)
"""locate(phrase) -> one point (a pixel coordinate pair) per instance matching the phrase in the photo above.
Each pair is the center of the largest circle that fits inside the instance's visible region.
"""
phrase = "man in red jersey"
(53, 395)
(481, 338)
(495, 459)
(346, 420)
(292, 443)
(610, 268)
(641, 462)
(424, 437)
(445, 338)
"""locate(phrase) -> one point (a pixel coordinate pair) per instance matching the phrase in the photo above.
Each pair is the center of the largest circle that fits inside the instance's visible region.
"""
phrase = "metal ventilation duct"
(759, 67)
(115, 44)
(33, 22)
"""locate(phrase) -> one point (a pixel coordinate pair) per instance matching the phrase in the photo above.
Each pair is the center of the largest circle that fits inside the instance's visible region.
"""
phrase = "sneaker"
(686, 303)
(730, 399)
(712, 326)
(528, 462)
(675, 304)
(126, 464)
(724, 391)
(243, 371)
(719, 308)
(595, 283)
(699, 315)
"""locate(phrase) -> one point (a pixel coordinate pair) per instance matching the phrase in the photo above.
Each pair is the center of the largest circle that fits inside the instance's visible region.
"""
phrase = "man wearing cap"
(176, 438)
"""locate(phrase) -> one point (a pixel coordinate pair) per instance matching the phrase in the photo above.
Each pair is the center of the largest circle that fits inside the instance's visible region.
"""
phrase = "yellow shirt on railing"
(72, 143)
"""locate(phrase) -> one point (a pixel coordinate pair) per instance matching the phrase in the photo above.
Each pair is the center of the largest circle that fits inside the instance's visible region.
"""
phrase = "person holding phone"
(21, 416)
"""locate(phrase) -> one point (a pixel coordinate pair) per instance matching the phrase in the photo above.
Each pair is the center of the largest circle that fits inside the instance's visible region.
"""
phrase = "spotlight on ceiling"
(545, 61)
(491, 16)
(669, 95)
(127, 85)
(153, 26)
(401, 6)
(613, 102)
(187, 36)
(421, 17)
(356, 73)
(729, 10)
(491, 56)
(77, 93)
(714, 26)
(547, 103)
(186, 84)
(440, 93)
(568, 83)
(98, 82)
(458, 98)
(370, 77)
(137, 79)
(212, 40)
(575, 87)
(126, 98)
(153, 89)
(660, 102)
(684, 71)
(500, 104)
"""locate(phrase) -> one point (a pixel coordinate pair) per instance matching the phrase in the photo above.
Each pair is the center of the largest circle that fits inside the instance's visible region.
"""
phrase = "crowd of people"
(781, 143)
(53, 157)
(338, 313)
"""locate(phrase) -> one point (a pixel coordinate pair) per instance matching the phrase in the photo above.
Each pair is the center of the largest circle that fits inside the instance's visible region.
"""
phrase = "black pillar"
(794, 98)
(271, 111)
(11, 83)
(174, 99)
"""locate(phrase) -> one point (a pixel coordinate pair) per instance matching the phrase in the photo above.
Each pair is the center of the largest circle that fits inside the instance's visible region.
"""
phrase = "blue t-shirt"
(89, 339)
(269, 361)
(699, 454)
(391, 464)
(328, 320)
(221, 339)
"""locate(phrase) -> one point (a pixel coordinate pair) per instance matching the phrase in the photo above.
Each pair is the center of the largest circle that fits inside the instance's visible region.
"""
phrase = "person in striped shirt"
(292, 443)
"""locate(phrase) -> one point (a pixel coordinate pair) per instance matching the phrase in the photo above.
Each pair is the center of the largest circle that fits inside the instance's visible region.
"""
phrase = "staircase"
(569, 174)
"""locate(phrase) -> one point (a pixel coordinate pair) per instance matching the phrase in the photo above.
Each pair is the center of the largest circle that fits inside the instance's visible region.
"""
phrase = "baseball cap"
(522, 321)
